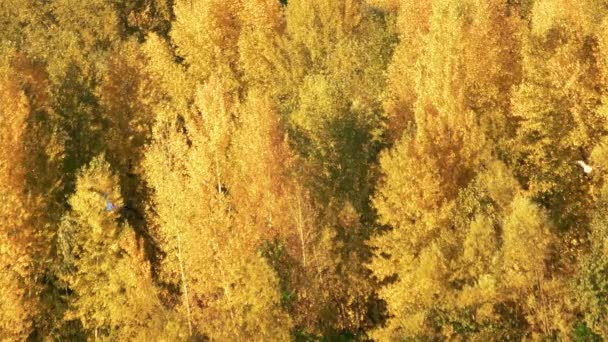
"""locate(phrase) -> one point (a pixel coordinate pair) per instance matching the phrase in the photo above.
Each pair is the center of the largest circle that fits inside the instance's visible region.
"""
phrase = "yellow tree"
(449, 142)
(386, 5)
(128, 97)
(259, 182)
(268, 189)
(45, 138)
(75, 35)
(268, 197)
(206, 33)
(103, 264)
(227, 289)
(35, 142)
(330, 74)
(466, 262)
(558, 108)
(413, 22)
(74, 39)
(263, 53)
(507, 255)
(592, 278)
(459, 122)
(17, 213)
(254, 33)
(172, 87)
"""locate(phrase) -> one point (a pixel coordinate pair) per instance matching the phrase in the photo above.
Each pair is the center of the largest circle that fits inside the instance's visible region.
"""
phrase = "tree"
(592, 278)
(437, 195)
(103, 264)
(308, 170)
(206, 33)
(261, 42)
(412, 24)
(558, 108)
(227, 289)
(337, 54)
(18, 237)
(259, 182)
(147, 16)
(82, 34)
(128, 97)
(34, 143)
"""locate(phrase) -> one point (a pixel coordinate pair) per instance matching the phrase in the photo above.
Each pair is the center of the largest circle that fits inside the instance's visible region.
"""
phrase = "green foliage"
(583, 333)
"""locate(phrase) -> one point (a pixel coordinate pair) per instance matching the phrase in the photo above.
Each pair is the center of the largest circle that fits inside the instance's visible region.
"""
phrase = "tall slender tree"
(103, 264)
(18, 235)
(227, 289)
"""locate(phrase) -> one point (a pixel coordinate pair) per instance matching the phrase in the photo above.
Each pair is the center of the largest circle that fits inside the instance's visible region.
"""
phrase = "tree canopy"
(307, 170)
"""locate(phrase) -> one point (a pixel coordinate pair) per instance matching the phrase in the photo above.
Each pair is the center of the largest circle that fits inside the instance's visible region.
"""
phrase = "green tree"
(592, 277)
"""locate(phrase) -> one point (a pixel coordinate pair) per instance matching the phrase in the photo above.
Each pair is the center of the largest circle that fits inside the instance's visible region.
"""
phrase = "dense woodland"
(308, 170)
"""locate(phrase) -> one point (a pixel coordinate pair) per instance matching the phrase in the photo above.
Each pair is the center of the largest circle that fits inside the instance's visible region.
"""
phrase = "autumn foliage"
(308, 170)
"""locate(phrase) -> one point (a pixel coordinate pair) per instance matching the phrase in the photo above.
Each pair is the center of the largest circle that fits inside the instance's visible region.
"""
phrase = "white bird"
(586, 168)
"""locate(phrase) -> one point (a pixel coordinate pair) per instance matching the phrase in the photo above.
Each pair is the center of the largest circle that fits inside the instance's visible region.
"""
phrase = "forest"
(303, 170)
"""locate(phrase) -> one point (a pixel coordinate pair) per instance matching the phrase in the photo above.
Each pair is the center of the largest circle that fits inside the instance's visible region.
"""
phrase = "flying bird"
(586, 168)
